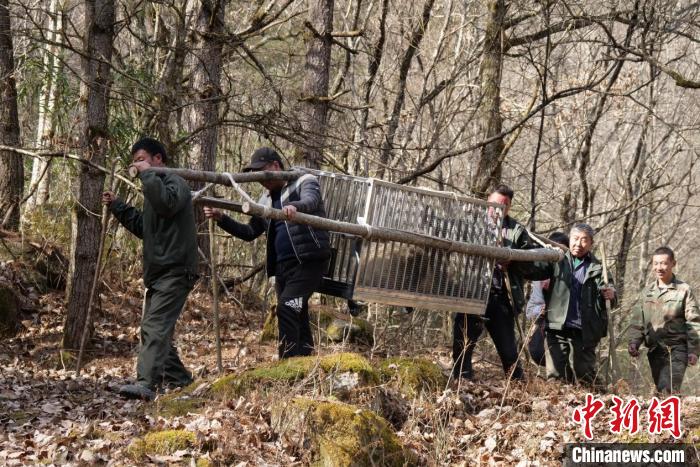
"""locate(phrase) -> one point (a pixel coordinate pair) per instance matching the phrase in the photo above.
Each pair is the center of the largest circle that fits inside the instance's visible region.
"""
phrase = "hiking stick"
(96, 278)
(612, 360)
(215, 294)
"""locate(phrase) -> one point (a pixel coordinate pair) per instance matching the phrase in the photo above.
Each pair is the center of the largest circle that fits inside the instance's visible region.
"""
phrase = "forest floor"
(48, 415)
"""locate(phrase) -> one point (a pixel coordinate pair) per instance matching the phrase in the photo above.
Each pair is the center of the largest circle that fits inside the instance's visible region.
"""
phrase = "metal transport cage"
(396, 273)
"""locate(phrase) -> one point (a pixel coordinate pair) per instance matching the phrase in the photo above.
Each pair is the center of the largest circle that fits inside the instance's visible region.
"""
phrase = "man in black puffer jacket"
(297, 254)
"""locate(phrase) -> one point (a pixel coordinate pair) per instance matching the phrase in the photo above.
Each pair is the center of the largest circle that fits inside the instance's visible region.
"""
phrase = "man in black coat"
(297, 254)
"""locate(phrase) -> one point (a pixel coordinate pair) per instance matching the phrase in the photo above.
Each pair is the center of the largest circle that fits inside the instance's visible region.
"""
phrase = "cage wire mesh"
(397, 273)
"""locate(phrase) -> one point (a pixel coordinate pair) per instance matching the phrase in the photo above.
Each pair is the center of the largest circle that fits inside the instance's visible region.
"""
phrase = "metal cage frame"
(397, 273)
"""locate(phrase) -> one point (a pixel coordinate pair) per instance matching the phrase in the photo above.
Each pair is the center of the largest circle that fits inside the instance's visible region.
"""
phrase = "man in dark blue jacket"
(297, 254)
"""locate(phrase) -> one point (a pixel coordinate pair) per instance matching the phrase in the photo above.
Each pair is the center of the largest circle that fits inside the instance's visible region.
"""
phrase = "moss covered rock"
(341, 434)
(290, 370)
(162, 443)
(284, 371)
(334, 327)
(269, 331)
(413, 376)
(346, 362)
(356, 330)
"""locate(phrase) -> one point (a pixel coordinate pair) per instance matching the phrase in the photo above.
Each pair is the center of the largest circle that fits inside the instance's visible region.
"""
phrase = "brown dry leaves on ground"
(50, 416)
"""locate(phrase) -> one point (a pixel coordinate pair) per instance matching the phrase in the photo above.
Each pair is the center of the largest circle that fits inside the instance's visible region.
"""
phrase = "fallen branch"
(65, 155)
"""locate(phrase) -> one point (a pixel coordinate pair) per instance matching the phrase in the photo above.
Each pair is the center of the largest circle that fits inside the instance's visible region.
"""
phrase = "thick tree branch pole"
(376, 233)
(223, 179)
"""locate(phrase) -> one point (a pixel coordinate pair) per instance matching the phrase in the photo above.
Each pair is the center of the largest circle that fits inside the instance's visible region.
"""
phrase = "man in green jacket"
(576, 314)
(506, 300)
(667, 320)
(168, 230)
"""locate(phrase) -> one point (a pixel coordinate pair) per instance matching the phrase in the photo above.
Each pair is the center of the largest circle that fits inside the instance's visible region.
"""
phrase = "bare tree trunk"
(162, 121)
(633, 186)
(41, 167)
(372, 68)
(85, 235)
(416, 39)
(315, 99)
(488, 172)
(11, 169)
(207, 44)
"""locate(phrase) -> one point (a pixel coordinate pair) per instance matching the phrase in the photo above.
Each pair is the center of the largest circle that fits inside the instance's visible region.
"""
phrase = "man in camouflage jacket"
(667, 320)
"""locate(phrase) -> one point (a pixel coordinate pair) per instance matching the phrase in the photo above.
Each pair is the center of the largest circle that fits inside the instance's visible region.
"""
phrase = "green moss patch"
(347, 362)
(284, 371)
(413, 375)
(269, 331)
(342, 434)
(162, 443)
(290, 370)
(178, 404)
(354, 330)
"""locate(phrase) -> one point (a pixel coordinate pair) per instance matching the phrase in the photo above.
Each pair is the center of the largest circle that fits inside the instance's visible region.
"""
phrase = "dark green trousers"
(158, 364)
(566, 357)
(668, 367)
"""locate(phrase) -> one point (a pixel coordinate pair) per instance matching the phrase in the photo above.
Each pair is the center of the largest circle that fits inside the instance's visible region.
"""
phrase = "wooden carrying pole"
(383, 234)
(223, 179)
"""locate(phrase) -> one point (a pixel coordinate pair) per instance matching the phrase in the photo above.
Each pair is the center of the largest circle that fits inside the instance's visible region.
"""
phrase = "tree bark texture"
(207, 40)
(94, 138)
(315, 102)
(11, 169)
(489, 167)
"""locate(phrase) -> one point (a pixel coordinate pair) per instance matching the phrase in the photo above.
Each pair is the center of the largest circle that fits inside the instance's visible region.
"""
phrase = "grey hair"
(585, 228)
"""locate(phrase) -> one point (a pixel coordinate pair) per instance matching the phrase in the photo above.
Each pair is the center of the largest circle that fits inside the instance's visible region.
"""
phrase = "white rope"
(238, 188)
(198, 194)
(534, 237)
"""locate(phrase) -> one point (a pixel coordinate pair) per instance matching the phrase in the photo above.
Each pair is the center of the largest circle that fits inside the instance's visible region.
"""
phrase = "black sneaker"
(136, 391)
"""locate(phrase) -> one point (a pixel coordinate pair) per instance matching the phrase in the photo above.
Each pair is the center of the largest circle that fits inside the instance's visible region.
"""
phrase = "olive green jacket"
(668, 316)
(516, 237)
(166, 226)
(594, 315)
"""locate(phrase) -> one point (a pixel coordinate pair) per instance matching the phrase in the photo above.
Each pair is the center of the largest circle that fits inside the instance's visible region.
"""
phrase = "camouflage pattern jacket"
(667, 316)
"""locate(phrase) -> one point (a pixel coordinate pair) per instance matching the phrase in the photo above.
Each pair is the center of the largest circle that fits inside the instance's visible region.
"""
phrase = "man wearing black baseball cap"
(261, 157)
(297, 254)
